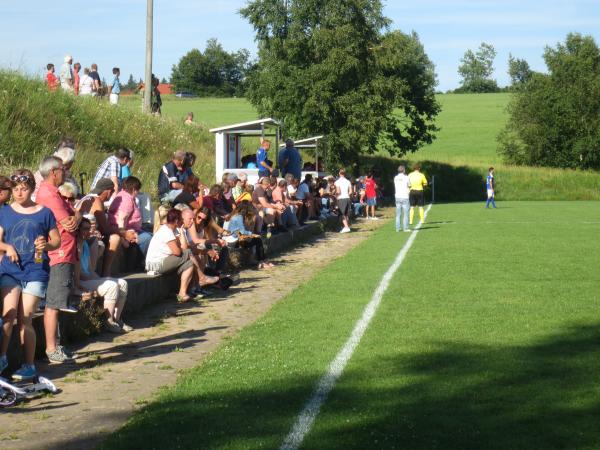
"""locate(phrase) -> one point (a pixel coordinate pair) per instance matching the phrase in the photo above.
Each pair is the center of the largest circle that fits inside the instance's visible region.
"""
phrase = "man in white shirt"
(66, 74)
(343, 189)
(402, 188)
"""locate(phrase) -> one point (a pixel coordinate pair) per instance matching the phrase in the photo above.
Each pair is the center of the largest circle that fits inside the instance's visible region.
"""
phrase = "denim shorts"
(371, 201)
(36, 288)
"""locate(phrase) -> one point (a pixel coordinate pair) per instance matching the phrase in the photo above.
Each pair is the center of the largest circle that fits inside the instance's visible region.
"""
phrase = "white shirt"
(86, 84)
(302, 190)
(291, 190)
(402, 185)
(345, 187)
(159, 249)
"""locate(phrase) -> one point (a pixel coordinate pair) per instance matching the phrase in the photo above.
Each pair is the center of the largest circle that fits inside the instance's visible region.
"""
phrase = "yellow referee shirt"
(417, 181)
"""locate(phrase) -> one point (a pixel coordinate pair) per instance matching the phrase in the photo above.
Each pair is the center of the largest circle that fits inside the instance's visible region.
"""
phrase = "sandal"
(207, 281)
(183, 299)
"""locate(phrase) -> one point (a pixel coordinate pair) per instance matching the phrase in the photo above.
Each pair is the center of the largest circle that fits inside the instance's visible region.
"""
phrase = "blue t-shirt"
(21, 231)
(125, 172)
(116, 86)
(294, 164)
(489, 181)
(261, 156)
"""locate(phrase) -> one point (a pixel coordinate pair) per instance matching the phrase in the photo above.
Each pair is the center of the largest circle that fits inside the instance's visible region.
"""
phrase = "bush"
(32, 120)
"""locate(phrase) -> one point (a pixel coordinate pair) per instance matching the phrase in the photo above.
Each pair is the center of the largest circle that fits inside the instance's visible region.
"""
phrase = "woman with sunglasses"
(27, 232)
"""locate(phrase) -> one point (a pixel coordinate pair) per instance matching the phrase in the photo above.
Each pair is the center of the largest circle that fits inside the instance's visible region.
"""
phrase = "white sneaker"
(407, 230)
(345, 230)
(374, 218)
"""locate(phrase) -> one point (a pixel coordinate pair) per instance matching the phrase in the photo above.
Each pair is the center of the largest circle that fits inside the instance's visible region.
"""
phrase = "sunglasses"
(19, 178)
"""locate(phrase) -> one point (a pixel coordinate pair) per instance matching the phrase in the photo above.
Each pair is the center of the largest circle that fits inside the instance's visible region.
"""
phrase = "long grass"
(32, 120)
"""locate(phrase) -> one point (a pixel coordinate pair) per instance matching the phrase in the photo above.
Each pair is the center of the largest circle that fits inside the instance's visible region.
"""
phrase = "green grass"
(487, 338)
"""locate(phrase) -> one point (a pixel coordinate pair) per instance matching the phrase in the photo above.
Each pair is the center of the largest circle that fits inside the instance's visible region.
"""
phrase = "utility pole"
(148, 74)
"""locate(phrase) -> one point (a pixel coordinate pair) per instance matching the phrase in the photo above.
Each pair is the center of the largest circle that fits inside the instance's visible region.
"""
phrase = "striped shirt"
(111, 167)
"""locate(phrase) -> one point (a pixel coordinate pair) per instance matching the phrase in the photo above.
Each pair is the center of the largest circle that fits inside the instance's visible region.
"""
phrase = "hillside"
(32, 120)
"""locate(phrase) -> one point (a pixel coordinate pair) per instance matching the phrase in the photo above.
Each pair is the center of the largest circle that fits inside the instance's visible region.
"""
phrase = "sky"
(112, 33)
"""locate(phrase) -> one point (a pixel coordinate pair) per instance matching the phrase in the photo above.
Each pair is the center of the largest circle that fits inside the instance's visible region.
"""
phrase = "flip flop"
(183, 299)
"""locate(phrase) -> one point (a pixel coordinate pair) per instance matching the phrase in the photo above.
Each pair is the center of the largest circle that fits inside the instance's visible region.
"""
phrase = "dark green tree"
(519, 71)
(131, 84)
(330, 67)
(476, 70)
(555, 117)
(214, 72)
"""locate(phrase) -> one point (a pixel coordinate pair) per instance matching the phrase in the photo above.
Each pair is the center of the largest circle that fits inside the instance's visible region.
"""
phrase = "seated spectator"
(239, 187)
(160, 216)
(112, 290)
(303, 194)
(190, 194)
(27, 232)
(5, 190)
(267, 211)
(215, 201)
(126, 169)
(205, 232)
(189, 118)
(242, 221)
(68, 191)
(172, 176)
(231, 181)
(188, 164)
(111, 168)
(165, 255)
(280, 196)
(124, 214)
(112, 236)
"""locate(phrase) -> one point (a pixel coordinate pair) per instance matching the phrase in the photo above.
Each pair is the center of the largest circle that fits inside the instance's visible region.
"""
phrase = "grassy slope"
(497, 352)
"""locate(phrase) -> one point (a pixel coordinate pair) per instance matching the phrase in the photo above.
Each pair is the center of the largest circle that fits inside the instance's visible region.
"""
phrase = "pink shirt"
(123, 205)
(49, 197)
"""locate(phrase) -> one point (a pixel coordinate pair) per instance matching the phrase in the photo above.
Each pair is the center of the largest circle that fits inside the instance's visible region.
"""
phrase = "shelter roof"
(254, 127)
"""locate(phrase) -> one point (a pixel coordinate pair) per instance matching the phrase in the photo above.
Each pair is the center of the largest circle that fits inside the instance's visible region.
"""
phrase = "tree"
(554, 118)
(131, 84)
(164, 80)
(327, 67)
(214, 72)
(476, 70)
(519, 71)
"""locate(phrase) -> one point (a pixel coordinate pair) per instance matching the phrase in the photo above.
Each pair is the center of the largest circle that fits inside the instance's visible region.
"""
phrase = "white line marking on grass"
(327, 382)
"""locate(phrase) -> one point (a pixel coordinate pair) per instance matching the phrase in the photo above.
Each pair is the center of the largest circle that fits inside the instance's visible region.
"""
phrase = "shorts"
(416, 198)
(490, 193)
(181, 263)
(371, 201)
(35, 288)
(59, 286)
(113, 99)
(344, 206)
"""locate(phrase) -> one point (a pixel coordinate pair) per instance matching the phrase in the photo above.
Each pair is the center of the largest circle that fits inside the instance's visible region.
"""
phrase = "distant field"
(211, 112)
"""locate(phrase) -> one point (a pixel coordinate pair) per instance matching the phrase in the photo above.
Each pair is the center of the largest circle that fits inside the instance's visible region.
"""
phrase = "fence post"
(433, 189)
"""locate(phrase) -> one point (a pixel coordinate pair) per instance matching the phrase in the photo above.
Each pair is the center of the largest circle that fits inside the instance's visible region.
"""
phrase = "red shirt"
(49, 197)
(76, 82)
(370, 187)
(52, 81)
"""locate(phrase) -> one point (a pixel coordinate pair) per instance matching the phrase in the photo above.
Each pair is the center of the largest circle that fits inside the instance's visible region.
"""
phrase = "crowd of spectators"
(59, 244)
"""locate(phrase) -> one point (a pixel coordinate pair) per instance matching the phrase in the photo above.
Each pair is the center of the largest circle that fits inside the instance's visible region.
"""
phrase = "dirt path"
(114, 376)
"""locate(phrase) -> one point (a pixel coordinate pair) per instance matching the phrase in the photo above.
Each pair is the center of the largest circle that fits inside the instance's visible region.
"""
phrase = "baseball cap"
(103, 184)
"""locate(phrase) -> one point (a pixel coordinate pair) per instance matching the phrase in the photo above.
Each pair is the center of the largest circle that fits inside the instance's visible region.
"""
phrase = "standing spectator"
(402, 190)
(27, 231)
(112, 290)
(172, 176)
(76, 78)
(66, 75)
(290, 160)
(111, 168)
(86, 83)
(63, 259)
(157, 100)
(343, 190)
(416, 196)
(371, 194)
(115, 87)
(491, 188)
(264, 169)
(97, 84)
(51, 79)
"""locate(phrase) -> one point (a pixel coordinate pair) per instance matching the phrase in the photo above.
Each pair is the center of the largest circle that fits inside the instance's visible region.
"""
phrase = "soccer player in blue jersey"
(490, 185)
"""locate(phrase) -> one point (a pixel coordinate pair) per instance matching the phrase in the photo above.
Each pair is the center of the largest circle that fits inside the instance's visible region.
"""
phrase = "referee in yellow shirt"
(417, 182)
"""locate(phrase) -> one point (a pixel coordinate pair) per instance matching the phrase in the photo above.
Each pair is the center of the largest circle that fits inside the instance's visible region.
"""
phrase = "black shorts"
(344, 206)
(59, 286)
(416, 198)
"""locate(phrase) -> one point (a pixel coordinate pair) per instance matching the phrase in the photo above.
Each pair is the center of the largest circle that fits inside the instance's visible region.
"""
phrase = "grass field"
(487, 338)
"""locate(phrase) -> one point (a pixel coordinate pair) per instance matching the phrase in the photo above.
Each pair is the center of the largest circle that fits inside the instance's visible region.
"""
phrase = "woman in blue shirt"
(27, 232)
